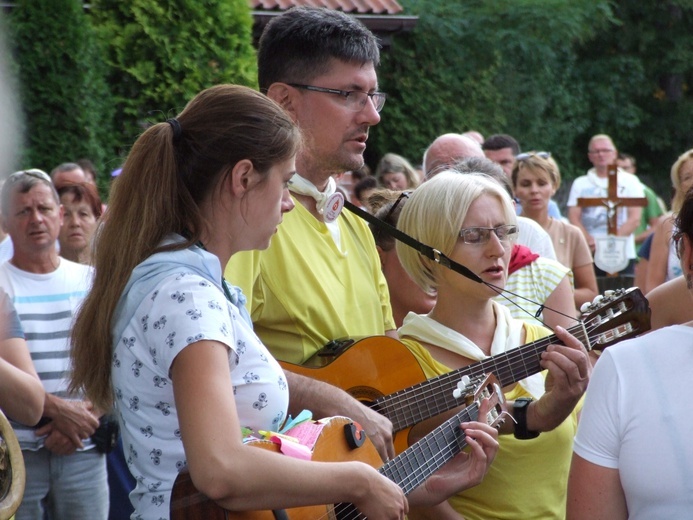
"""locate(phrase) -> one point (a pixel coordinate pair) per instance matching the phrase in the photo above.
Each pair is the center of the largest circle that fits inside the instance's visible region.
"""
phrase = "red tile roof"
(348, 6)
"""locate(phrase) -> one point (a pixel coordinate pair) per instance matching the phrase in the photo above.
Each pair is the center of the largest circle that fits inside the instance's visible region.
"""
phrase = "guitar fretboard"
(423, 458)
(435, 396)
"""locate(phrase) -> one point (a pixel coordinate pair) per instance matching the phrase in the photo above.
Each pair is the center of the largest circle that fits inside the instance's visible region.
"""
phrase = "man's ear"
(284, 95)
(242, 177)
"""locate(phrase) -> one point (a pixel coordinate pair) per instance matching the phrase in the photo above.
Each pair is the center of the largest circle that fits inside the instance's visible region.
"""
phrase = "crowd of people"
(143, 340)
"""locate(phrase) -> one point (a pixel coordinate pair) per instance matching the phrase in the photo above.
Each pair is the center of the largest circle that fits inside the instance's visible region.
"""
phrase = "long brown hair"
(170, 170)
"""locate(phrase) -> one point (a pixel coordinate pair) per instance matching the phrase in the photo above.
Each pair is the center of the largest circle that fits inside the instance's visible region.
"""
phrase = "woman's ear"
(242, 177)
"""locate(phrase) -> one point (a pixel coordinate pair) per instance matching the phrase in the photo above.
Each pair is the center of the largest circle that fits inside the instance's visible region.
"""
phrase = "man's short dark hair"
(500, 141)
(626, 156)
(298, 45)
(365, 184)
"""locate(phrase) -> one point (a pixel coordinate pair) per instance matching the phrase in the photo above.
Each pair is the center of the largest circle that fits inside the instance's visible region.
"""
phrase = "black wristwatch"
(520, 415)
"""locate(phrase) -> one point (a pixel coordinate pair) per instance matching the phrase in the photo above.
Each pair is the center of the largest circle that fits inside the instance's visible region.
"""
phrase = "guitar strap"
(425, 250)
(437, 256)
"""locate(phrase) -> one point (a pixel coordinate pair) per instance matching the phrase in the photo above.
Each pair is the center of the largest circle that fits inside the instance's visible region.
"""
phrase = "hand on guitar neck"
(383, 373)
(569, 369)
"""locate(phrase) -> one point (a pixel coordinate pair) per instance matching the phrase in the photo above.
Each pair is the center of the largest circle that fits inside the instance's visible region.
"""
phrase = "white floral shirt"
(184, 308)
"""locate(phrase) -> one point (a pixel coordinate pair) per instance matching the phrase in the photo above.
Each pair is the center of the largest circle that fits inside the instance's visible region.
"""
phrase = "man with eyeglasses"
(592, 221)
(320, 279)
(66, 476)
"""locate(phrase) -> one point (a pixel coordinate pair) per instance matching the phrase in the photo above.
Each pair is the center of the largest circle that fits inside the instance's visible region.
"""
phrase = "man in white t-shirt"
(592, 221)
(65, 474)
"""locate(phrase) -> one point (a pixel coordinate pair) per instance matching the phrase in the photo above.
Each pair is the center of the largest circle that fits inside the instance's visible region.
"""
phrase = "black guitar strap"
(439, 257)
(425, 250)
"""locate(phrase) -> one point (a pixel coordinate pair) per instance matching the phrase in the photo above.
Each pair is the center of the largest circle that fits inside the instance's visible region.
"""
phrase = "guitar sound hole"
(366, 394)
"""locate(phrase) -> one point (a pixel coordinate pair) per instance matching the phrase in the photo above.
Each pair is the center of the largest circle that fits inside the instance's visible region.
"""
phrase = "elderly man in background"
(66, 476)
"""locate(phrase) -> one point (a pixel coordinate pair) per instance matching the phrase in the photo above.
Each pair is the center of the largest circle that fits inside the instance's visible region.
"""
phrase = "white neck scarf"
(329, 203)
(506, 337)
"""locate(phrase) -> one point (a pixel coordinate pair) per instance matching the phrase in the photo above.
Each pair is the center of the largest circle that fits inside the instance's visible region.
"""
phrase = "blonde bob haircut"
(545, 169)
(679, 196)
(434, 215)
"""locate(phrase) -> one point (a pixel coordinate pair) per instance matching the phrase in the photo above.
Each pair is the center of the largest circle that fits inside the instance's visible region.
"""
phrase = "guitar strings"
(515, 357)
(413, 478)
(423, 393)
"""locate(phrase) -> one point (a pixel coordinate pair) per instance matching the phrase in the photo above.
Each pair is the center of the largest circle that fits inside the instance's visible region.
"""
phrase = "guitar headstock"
(483, 386)
(615, 316)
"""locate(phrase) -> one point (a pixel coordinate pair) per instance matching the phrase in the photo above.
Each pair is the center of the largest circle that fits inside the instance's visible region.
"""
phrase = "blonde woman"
(471, 220)
(536, 178)
(396, 173)
(663, 264)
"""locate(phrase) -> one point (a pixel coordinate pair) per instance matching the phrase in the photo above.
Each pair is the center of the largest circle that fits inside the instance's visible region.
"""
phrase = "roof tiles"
(348, 6)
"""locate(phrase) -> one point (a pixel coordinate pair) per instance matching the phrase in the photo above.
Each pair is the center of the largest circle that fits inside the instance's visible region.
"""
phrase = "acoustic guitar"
(337, 442)
(385, 375)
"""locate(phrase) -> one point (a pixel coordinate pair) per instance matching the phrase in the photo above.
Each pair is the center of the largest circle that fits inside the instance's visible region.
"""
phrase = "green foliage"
(65, 99)
(164, 52)
(648, 55)
(549, 72)
(502, 67)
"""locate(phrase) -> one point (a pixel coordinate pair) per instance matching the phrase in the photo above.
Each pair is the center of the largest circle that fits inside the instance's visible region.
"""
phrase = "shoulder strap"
(425, 250)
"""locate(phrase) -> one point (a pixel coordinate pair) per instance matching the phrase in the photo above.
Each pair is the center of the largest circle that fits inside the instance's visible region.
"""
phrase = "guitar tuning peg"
(609, 293)
(597, 299)
(585, 307)
(461, 387)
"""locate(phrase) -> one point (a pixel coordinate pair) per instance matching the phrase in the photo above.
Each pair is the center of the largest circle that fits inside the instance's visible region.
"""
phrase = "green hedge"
(66, 103)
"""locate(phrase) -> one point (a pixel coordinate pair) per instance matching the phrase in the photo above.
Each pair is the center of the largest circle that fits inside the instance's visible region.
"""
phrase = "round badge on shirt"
(333, 207)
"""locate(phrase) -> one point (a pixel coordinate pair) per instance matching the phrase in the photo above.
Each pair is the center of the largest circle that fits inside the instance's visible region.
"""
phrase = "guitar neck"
(435, 396)
(423, 458)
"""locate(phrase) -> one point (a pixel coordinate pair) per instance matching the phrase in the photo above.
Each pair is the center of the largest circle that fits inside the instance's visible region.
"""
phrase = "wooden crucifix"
(612, 201)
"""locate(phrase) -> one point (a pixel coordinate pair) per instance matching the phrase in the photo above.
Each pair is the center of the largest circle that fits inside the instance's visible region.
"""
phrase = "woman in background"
(536, 178)
(663, 264)
(82, 210)
(396, 173)
(405, 295)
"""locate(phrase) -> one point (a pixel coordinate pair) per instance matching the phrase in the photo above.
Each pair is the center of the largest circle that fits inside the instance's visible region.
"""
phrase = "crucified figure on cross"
(612, 201)
(606, 205)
